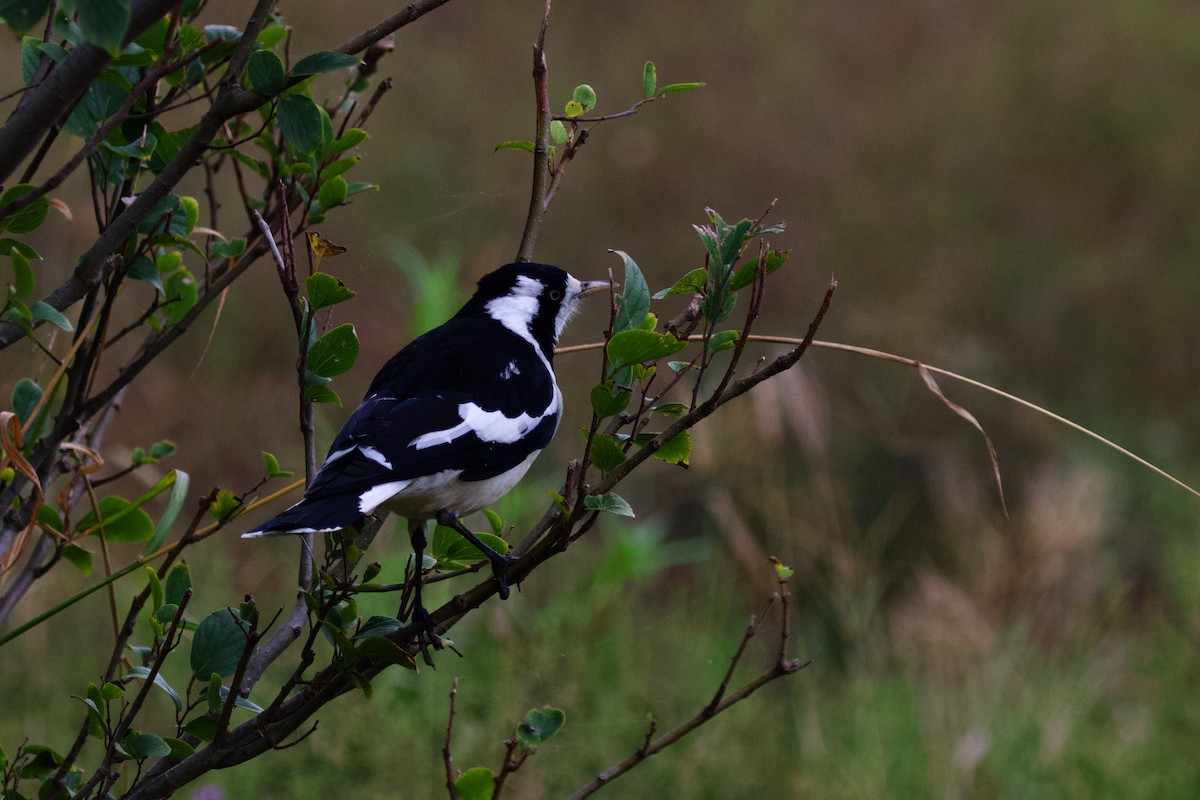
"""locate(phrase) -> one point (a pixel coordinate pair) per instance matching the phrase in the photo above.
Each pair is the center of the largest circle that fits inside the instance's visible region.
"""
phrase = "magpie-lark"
(453, 420)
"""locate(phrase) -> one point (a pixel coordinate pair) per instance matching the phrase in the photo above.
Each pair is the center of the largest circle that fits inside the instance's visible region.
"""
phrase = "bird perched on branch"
(453, 420)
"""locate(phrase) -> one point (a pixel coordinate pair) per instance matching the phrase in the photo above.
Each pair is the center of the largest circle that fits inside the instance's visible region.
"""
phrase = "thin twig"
(447, 756)
(541, 146)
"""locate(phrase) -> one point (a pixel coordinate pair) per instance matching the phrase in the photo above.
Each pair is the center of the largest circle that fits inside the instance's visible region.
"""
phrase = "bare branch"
(541, 146)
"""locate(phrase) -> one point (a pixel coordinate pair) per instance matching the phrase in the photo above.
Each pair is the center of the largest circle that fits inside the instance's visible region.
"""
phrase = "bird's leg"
(499, 562)
(420, 614)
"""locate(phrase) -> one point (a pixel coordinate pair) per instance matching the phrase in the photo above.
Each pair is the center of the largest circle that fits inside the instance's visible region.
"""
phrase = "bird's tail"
(310, 515)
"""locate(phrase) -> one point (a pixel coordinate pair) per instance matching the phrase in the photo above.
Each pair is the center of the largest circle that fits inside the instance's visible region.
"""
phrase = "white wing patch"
(369, 500)
(510, 370)
(375, 455)
(489, 426)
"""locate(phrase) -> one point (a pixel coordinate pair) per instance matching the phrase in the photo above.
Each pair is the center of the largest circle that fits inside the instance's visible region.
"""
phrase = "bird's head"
(535, 301)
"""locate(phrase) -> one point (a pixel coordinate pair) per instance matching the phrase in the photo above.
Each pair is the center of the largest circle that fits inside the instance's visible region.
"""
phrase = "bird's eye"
(556, 294)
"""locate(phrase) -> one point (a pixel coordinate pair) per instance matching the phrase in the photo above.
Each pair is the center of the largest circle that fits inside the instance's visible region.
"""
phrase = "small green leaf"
(384, 650)
(147, 745)
(230, 249)
(156, 587)
(477, 783)
(649, 80)
(639, 346)
(514, 145)
(337, 168)
(694, 281)
(335, 352)
(332, 192)
(7, 246)
(323, 61)
(81, 558)
(612, 503)
(213, 693)
(680, 87)
(264, 71)
(319, 393)
(224, 505)
(143, 269)
(676, 450)
(635, 299)
(142, 673)
(325, 290)
(452, 551)
(271, 466)
(606, 402)
(539, 725)
(351, 138)
(163, 449)
(494, 520)
(573, 108)
(723, 340)
(745, 274)
(179, 582)
(301, 123)
(48, 313)
(29, 218)
(21, 15)
(23, 280)
(606, 453)
(782, 570)
(179, 748)
(584, 95)
(25, 397)
(558, 132)
(104, 22)
(171, 512)
(120, 520)
(218, 644)
(272, 35)
(203, 728)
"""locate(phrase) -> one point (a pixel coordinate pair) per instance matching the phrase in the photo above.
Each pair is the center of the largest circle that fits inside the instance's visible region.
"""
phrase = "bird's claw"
(426, 636)
(499, 565)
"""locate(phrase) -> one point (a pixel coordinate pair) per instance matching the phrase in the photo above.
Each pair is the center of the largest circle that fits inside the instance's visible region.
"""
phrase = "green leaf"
(76, 555)
(529, 146)
(351, 138)
(635, 299)
(733, 240)
(8, 246)
(612, 503)
(723, 340)
(384, 650)
(272, 35)
(452, 551)
(573, 108)
(218, 645)
(332, 192)
(29, 218)
(608, 403)
(477, 783)
(639, 346)
(179, 581)
(31, 56)
(694, 281)
(378, 626)
(203, 728)
(23, 280)
(48, 313)
(606, 453)
(325, 290)
(181, 294)
(494, 520)
(676, 450)
(670, 409)
(335, 352)
(680, 87)
(21, 15)
(212, 693)
(230, 249)
(171, 513)
(142, 673)
(147, 745)
(539, 725)
(782, 570)
(319, 393)
(337, 168)
(25, 397)
(323, 61)
(104, 22)
(649, 80)
(121, 521)
(162, 449)
(143, 269)
(584, 95)
(271, 465)
(558, 132)
(264, 71)
(745, 274)
(179, 748)
(708, 237)
(301, 123)
(156, 587)
(224, 505)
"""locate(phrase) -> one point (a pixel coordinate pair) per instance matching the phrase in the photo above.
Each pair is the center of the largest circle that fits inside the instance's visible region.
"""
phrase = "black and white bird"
(452, 421)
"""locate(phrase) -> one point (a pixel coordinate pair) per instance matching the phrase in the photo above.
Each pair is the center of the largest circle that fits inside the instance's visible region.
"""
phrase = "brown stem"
(541, 146)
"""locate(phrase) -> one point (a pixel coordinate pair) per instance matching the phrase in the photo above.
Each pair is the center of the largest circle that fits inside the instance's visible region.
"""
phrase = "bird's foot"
(426, 637)
(499, 565)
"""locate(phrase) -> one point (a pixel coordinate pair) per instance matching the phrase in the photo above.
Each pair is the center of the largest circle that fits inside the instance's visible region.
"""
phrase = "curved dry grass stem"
(919, 365)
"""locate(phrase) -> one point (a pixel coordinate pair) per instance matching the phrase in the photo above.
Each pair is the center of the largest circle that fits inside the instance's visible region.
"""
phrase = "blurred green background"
(1008, 190)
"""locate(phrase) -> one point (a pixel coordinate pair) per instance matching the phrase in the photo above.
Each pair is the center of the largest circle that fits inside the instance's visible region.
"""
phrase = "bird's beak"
(591, 287)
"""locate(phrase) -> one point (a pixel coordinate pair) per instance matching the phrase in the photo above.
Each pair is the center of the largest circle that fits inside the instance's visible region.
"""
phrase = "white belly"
(422, 498)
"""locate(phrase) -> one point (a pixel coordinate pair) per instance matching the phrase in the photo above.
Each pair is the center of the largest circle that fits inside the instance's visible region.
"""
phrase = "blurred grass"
(1004, 189)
